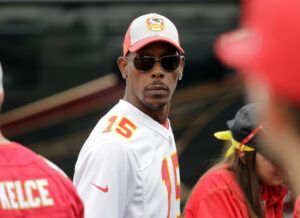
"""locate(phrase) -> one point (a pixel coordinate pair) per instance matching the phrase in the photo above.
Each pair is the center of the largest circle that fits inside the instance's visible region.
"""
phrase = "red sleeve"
(64, 189)
(75, 201)
(296, 213)
(222, 203)
(78, 206)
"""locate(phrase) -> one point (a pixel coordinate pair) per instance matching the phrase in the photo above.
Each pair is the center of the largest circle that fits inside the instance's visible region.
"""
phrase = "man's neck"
(159, 116)
(159, 113)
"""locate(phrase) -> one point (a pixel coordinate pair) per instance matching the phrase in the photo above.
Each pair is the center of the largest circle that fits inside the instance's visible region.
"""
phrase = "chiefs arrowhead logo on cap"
(155, 24)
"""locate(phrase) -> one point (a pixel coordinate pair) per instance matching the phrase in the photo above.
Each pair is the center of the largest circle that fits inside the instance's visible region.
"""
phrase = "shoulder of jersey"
(53, 166)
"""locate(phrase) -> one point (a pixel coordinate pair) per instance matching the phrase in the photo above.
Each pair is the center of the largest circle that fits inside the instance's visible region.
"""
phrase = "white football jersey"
(128, 167)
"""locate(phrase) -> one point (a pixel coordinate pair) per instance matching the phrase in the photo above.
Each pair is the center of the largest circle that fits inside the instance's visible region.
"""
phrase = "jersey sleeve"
(75, 202)
(77, 208)
(105, 178)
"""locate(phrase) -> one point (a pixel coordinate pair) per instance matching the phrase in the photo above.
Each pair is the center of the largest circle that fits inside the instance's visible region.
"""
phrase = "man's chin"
(155, 104)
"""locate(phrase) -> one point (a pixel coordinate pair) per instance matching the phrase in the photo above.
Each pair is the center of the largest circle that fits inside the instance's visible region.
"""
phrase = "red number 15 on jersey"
(124, 128)
(165, 173)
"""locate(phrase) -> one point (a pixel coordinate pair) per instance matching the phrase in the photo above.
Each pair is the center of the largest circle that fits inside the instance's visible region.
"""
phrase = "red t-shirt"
(217, 195)
(30, 187)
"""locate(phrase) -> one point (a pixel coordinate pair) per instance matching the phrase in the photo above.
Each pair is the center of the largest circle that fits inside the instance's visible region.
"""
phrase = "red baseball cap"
(150, 28)
(267, 45)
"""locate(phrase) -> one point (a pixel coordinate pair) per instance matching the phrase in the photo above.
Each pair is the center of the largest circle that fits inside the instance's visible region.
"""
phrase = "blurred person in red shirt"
(243, 183)
(265, 50)
(31, 186)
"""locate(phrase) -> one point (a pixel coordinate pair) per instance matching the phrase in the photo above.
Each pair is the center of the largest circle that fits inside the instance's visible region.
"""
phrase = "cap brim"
(238, 49)
(137, 46)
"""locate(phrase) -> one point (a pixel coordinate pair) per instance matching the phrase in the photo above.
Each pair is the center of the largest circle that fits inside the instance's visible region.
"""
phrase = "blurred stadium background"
(60, 74)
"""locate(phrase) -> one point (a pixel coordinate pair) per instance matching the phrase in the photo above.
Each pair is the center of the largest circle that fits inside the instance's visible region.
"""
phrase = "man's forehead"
(158, 45)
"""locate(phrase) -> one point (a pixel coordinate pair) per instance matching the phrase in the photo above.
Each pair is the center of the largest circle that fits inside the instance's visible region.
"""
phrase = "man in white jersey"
(128, 166)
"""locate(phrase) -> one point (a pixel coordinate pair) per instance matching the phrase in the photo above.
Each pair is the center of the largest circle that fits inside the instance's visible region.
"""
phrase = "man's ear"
(243, 157)
(182, 63)
(2, 98)
(180, 76)
(122, 63)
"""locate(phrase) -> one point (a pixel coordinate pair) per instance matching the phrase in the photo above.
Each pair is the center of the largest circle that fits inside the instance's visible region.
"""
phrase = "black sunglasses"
(145, 63)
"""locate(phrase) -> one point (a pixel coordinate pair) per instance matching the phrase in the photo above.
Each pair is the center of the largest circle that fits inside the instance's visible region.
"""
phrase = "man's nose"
(157, 71)
(157, 74)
